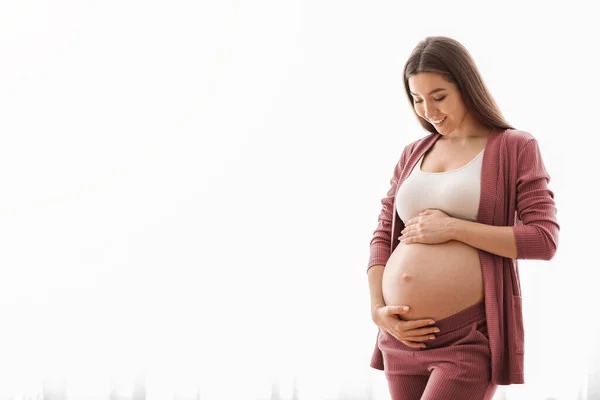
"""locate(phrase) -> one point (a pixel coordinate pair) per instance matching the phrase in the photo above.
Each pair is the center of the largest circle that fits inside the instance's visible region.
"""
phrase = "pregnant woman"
(466, 201)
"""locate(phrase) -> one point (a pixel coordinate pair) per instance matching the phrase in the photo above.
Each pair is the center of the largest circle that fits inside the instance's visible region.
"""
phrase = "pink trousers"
(454, 365)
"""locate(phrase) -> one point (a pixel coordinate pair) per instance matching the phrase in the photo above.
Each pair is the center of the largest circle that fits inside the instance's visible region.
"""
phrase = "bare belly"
(435, 280)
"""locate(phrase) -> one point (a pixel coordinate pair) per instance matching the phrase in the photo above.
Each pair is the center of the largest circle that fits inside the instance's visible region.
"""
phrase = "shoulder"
(412, 146)
(517, 139)
(523, 151)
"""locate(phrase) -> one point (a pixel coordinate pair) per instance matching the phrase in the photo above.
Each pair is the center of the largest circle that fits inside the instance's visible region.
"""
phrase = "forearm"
(498, 240)
(375, 275)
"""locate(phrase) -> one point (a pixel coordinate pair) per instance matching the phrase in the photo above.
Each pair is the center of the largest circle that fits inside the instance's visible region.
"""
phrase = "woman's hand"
(430, 226)
(411, 333)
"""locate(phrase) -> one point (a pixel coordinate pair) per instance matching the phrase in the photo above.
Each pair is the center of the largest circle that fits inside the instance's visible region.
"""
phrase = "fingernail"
(405, 308)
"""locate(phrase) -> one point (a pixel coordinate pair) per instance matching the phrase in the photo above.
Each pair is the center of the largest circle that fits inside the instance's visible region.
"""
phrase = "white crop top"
(455, 192)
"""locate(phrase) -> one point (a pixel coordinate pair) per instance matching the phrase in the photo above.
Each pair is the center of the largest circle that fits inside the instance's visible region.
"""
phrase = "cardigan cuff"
(380, 253)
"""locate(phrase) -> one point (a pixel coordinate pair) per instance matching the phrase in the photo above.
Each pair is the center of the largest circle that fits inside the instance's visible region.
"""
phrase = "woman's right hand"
(411, 333)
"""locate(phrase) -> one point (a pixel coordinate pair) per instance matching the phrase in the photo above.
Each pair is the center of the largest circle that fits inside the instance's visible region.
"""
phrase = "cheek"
(453, 109)
(420, 110)
(445, 109)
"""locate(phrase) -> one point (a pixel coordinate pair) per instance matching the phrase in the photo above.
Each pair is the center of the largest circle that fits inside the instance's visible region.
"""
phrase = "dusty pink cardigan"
(514, 192)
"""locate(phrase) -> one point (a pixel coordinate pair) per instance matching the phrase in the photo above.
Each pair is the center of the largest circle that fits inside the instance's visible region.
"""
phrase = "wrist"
(455, 228)
(374, 307)
(374, 312)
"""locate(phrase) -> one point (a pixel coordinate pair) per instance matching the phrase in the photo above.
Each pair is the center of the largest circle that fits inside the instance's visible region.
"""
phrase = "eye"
(440, 99)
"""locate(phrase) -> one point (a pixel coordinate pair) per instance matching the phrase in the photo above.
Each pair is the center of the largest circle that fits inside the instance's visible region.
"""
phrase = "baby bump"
(435, 280)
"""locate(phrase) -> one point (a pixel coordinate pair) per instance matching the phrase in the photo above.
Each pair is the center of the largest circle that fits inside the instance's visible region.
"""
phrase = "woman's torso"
(438, 280)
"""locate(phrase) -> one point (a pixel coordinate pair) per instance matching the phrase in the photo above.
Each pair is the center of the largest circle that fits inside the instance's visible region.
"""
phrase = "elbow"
(536, 243)
(546, 249)
(550, 250)
(551, 241)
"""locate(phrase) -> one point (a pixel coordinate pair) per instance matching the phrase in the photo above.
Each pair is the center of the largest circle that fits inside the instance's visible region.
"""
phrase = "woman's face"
(433, 104)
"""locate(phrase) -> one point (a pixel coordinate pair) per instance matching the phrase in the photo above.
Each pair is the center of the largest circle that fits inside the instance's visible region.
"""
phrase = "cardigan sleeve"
(537, 235)
(380, 246)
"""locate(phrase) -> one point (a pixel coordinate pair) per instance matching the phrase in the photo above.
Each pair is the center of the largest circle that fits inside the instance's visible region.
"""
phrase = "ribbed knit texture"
(514, 192)
(454, 365)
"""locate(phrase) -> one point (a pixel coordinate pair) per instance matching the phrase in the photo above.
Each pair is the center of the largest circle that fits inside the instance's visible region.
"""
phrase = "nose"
(429, 111)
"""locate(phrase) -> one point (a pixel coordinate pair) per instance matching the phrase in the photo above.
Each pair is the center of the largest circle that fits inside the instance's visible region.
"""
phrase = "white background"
(188, 189)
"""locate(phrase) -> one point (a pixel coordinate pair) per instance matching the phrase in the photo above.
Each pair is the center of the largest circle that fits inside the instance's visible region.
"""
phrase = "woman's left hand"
(430, 226)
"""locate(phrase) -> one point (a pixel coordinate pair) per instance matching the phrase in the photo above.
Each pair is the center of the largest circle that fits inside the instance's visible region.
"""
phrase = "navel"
(406, 277)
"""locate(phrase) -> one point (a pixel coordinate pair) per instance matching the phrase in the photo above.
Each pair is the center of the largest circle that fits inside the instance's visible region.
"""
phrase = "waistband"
(464, 317)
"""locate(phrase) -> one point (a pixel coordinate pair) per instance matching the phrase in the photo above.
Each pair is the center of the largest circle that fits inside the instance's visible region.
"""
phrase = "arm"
(498, 240)
(537, 237)
(375, 274)
(381, 242)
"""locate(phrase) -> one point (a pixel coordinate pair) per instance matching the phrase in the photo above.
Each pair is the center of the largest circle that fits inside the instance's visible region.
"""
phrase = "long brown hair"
(452, 60)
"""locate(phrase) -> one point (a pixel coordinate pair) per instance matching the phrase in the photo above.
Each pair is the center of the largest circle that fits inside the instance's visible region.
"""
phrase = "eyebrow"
(432, 92)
